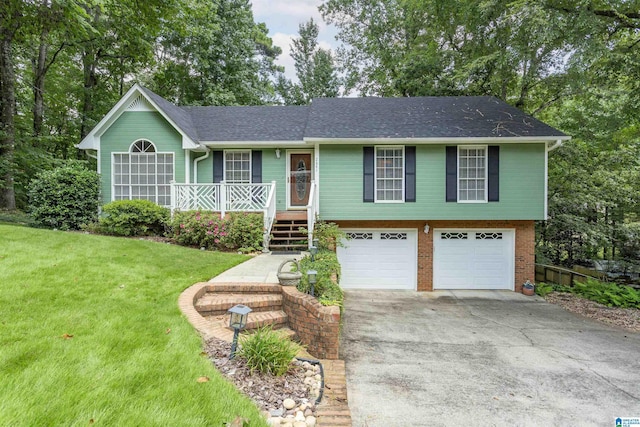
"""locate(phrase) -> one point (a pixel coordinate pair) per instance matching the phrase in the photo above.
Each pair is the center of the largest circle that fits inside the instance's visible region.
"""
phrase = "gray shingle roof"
(421, 117)
(179, 116)
(258, 123)
(371, 117)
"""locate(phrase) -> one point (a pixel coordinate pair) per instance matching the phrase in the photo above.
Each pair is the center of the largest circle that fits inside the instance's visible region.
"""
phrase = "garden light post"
(312, 276)
(313, 250)
(237, 320)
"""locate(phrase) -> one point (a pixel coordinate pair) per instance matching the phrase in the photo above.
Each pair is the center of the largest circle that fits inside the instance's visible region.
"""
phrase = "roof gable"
(141, 99)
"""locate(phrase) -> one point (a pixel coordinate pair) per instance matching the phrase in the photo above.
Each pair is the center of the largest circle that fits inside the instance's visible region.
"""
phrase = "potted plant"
(528, 288)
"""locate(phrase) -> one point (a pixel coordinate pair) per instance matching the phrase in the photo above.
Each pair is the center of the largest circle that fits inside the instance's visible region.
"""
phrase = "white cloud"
(283, 18)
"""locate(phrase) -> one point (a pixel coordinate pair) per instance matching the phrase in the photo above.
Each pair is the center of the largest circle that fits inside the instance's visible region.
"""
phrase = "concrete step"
(212, 304)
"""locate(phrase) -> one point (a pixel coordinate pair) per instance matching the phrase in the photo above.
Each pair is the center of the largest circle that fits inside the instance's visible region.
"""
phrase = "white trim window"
(472, 173)
(237, 166)
(142, 173)
(389, 175)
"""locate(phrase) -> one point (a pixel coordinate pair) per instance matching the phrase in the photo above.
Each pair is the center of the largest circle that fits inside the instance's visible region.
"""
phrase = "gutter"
(195, 164)
(557, 144)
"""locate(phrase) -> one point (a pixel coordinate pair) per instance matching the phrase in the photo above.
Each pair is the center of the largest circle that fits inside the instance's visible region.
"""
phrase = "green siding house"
(432, 192)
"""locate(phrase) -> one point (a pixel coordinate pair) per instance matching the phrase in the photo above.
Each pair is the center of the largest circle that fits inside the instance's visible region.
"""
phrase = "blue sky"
(283, 18)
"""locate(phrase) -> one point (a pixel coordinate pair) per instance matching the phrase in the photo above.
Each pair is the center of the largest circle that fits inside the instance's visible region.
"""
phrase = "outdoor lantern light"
(237, 320)
(313, 250)
(312, 275)
(277, 153)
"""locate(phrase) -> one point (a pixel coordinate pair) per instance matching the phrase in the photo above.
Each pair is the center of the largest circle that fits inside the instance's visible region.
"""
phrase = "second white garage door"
(379, 259)
(473, 259)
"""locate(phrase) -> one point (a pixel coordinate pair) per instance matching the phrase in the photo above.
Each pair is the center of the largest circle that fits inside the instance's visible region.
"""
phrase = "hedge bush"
(237, 231)
(65, 198)
(133, 218)
(609, 294)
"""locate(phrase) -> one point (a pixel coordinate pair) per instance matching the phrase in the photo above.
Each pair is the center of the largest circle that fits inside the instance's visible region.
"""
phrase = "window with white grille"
(472, 173)
(143, 173)
(359, 236)
(389, 174)
(393, 236)
(237, 167)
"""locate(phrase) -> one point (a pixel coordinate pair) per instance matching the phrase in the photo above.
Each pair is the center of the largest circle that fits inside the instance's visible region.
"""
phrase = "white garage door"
(473, 259)
(379, 259)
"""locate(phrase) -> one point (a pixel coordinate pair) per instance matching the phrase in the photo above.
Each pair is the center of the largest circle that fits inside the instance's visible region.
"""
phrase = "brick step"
(276, 318)
(212, 304)
(243, 288)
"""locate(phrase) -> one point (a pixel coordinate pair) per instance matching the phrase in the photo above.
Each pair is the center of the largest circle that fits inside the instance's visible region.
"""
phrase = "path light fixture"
(313, 250)
(237, 321)
(316, 243)
(312, 275)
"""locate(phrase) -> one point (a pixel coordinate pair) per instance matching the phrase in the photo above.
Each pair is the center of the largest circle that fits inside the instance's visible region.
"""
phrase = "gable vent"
(140, 104)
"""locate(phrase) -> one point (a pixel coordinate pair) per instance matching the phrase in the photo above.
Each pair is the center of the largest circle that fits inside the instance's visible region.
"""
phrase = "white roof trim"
(132, 97)
(439, 140)
(274, 143)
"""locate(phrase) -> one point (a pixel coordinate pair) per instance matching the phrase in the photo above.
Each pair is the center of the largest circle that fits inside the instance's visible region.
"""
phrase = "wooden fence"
(562, 276)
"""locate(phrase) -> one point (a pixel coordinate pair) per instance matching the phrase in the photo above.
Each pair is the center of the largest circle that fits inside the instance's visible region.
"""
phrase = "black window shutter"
(452, 174)
(368, 168)
(410, 174)
(493, 166)
(218, 166)
(256, 166)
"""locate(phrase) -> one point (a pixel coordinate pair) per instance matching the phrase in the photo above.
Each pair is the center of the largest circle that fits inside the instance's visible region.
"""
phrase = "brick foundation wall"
(317, 326)
(524, 244)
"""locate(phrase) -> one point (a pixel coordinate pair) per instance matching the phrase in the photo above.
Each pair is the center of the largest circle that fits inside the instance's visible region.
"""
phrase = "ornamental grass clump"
(267, 351)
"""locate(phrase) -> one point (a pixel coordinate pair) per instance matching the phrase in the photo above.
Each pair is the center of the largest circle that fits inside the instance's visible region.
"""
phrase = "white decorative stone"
(299, 416)
(289, 403)
(274, 421)
(304, 407)
(299, 424)
(310, 421)
(287, 424)
(318, 377)
(306, 365)
(309, 373)
(308, 412)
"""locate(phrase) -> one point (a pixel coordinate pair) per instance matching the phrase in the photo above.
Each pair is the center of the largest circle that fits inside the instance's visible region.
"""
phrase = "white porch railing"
(220, 197)
(269, 216)
(312, 211)
(224, 198)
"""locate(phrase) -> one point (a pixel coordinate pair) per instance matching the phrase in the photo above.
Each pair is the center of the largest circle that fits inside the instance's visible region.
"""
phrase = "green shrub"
(327, 265)
(65, 198)
(200, 229)
(133, 218)
(267, 351)
(328, 235)
(609, 294)
(237, 231)
(245, 231)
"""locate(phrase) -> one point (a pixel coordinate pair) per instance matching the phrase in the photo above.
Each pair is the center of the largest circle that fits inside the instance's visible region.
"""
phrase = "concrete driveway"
(483, 358)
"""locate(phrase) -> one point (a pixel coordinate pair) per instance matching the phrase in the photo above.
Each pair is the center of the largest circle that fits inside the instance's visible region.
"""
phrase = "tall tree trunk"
(40, 70)
(7, 125)
(90, 80)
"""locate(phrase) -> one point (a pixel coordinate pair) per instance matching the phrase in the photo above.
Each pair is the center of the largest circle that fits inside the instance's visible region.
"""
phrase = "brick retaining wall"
(317, 326)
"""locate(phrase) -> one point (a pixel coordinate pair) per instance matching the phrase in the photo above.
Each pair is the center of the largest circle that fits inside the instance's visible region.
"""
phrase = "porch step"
(286, 235)
(220, 303)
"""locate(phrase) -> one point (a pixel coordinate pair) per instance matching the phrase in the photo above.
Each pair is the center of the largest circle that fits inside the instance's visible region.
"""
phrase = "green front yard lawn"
(91, 334)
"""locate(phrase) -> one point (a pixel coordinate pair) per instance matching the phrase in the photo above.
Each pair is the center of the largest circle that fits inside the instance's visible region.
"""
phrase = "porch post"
(223, 198)
(172, 205)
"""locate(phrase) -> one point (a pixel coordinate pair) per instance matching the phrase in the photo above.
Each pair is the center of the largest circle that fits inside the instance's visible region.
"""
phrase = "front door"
(299, 179)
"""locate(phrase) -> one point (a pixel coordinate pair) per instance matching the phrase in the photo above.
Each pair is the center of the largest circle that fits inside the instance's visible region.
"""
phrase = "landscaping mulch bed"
(267, 391)
(626, 318)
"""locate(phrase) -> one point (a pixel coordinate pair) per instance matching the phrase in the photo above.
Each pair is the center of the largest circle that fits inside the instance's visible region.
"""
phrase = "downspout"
(557, 144)
(195, 164)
